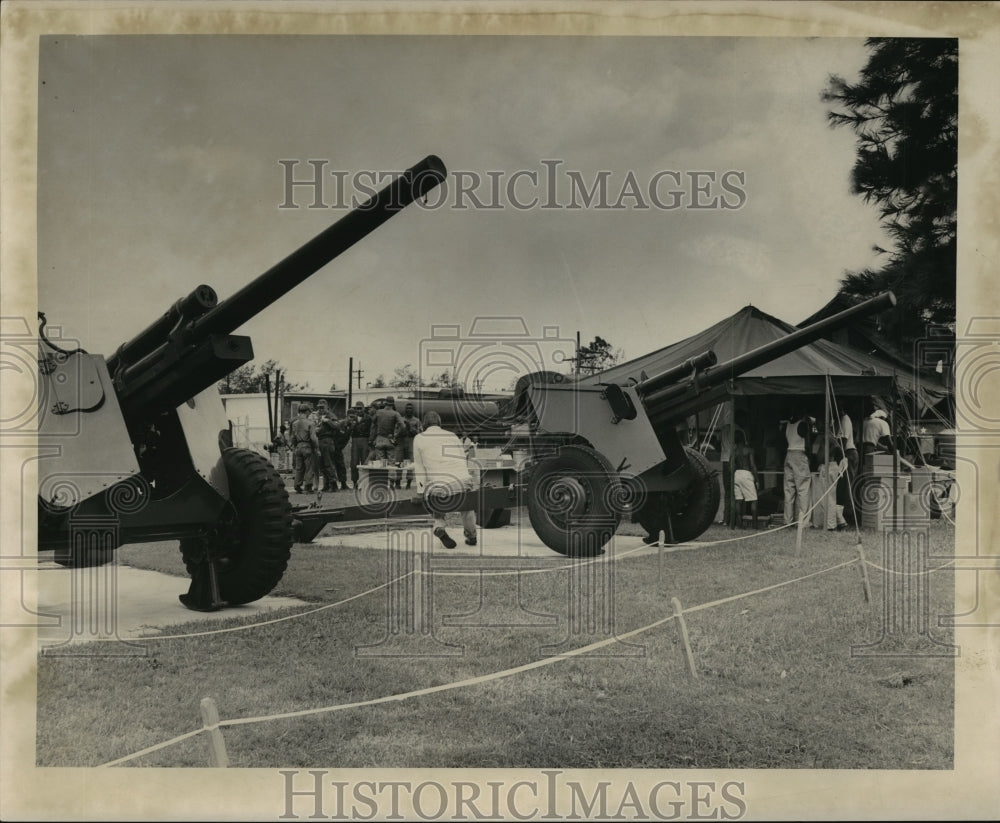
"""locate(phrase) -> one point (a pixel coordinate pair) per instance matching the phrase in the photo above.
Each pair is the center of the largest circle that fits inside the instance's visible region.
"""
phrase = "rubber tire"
(695, 508)
(257, 549)
(496, 519)
(574, 535)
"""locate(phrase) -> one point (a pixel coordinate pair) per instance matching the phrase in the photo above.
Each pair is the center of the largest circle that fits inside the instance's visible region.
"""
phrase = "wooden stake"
(217, 756)
(865, 582)
(679, 614)
(659, 557)
(798, 535)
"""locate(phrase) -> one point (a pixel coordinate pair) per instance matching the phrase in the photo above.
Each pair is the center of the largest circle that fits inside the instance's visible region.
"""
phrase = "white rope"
(473, 681)
(247, 626)
(703, 446)
(910, 574)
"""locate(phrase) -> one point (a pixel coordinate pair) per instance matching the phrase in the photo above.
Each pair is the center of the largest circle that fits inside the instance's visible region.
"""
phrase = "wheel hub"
(567, 497)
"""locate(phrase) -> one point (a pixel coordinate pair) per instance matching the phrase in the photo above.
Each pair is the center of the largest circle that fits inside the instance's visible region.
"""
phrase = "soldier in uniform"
(359, 426)
(386, 427)
(305, 445)
(370, 413)
(341, 437)
(326, 434)
(404, 444)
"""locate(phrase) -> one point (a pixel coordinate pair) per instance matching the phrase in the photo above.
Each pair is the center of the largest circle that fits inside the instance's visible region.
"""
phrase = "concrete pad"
(118, 602)
(514, 541)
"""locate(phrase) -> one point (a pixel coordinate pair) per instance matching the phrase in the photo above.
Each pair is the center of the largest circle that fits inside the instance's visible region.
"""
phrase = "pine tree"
(904, 111)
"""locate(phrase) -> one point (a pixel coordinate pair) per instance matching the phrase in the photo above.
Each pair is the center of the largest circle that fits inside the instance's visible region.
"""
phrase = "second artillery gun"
(602, 451)
(137, 448)
(591, 455)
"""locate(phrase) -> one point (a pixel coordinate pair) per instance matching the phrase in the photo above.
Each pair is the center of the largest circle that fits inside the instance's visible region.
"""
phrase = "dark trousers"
(340, 465)
(847, 485)
(304, 465)
(329, 469)
(727, 491)
(359, 456)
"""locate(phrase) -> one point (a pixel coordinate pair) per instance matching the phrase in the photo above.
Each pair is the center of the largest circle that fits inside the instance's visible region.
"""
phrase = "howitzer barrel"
(191, 346)
(199, 301)
(250, 300)
(669, 400)
(672, 375)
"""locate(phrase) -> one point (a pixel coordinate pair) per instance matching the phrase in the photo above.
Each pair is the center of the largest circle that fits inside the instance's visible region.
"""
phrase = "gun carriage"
(593, 454)
(142, 441)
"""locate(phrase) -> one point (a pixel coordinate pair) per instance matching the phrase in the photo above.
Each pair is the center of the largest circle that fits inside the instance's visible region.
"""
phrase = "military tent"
(801, 372)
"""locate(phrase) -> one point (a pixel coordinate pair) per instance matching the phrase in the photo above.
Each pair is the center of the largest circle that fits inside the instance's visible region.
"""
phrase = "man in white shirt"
(875, 434)
(441, 469)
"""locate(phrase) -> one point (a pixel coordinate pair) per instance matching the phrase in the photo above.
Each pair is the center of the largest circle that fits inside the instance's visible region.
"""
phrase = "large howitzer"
(141, 439)
(600, 451)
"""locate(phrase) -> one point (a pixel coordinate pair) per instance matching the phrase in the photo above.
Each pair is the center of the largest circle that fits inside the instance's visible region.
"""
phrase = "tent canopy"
(803, 371)
(926, 388)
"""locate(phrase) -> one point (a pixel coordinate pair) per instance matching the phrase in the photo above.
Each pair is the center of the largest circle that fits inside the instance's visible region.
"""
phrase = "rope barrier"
(150, 749)
(247, 626)
(442, 573)
(473, 681)
(508, 572)
(732, 598)
(910, 574)
(306, 613)
(807, 514)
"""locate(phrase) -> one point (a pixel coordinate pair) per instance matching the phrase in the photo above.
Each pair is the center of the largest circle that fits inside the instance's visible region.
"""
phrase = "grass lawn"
(778, 686)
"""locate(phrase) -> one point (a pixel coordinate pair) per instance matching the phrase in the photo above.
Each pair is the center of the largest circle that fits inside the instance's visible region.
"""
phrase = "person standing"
(325, 433)
(386, 427)
(442, 471)
(727, 431)
(370, 412)
(831, 513)
(359, 426)
(305, 445)
(797, 478)
(744, 478)
(404, 443)
(875, 434)
(341, 439)
(845, 485)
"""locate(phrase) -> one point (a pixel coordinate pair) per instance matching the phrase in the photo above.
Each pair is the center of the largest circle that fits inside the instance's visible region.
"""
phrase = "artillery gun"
(591, 454)
(142, 444)
(601, 451)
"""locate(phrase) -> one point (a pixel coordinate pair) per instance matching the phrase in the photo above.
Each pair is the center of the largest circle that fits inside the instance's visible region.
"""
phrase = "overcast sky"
(159, 170)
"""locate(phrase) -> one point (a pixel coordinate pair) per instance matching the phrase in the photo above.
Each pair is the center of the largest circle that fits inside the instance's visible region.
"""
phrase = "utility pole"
(350, 380)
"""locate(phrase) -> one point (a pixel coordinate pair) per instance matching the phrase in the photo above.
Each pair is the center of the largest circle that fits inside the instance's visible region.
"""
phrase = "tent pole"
(895, 465)
(732, 463)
